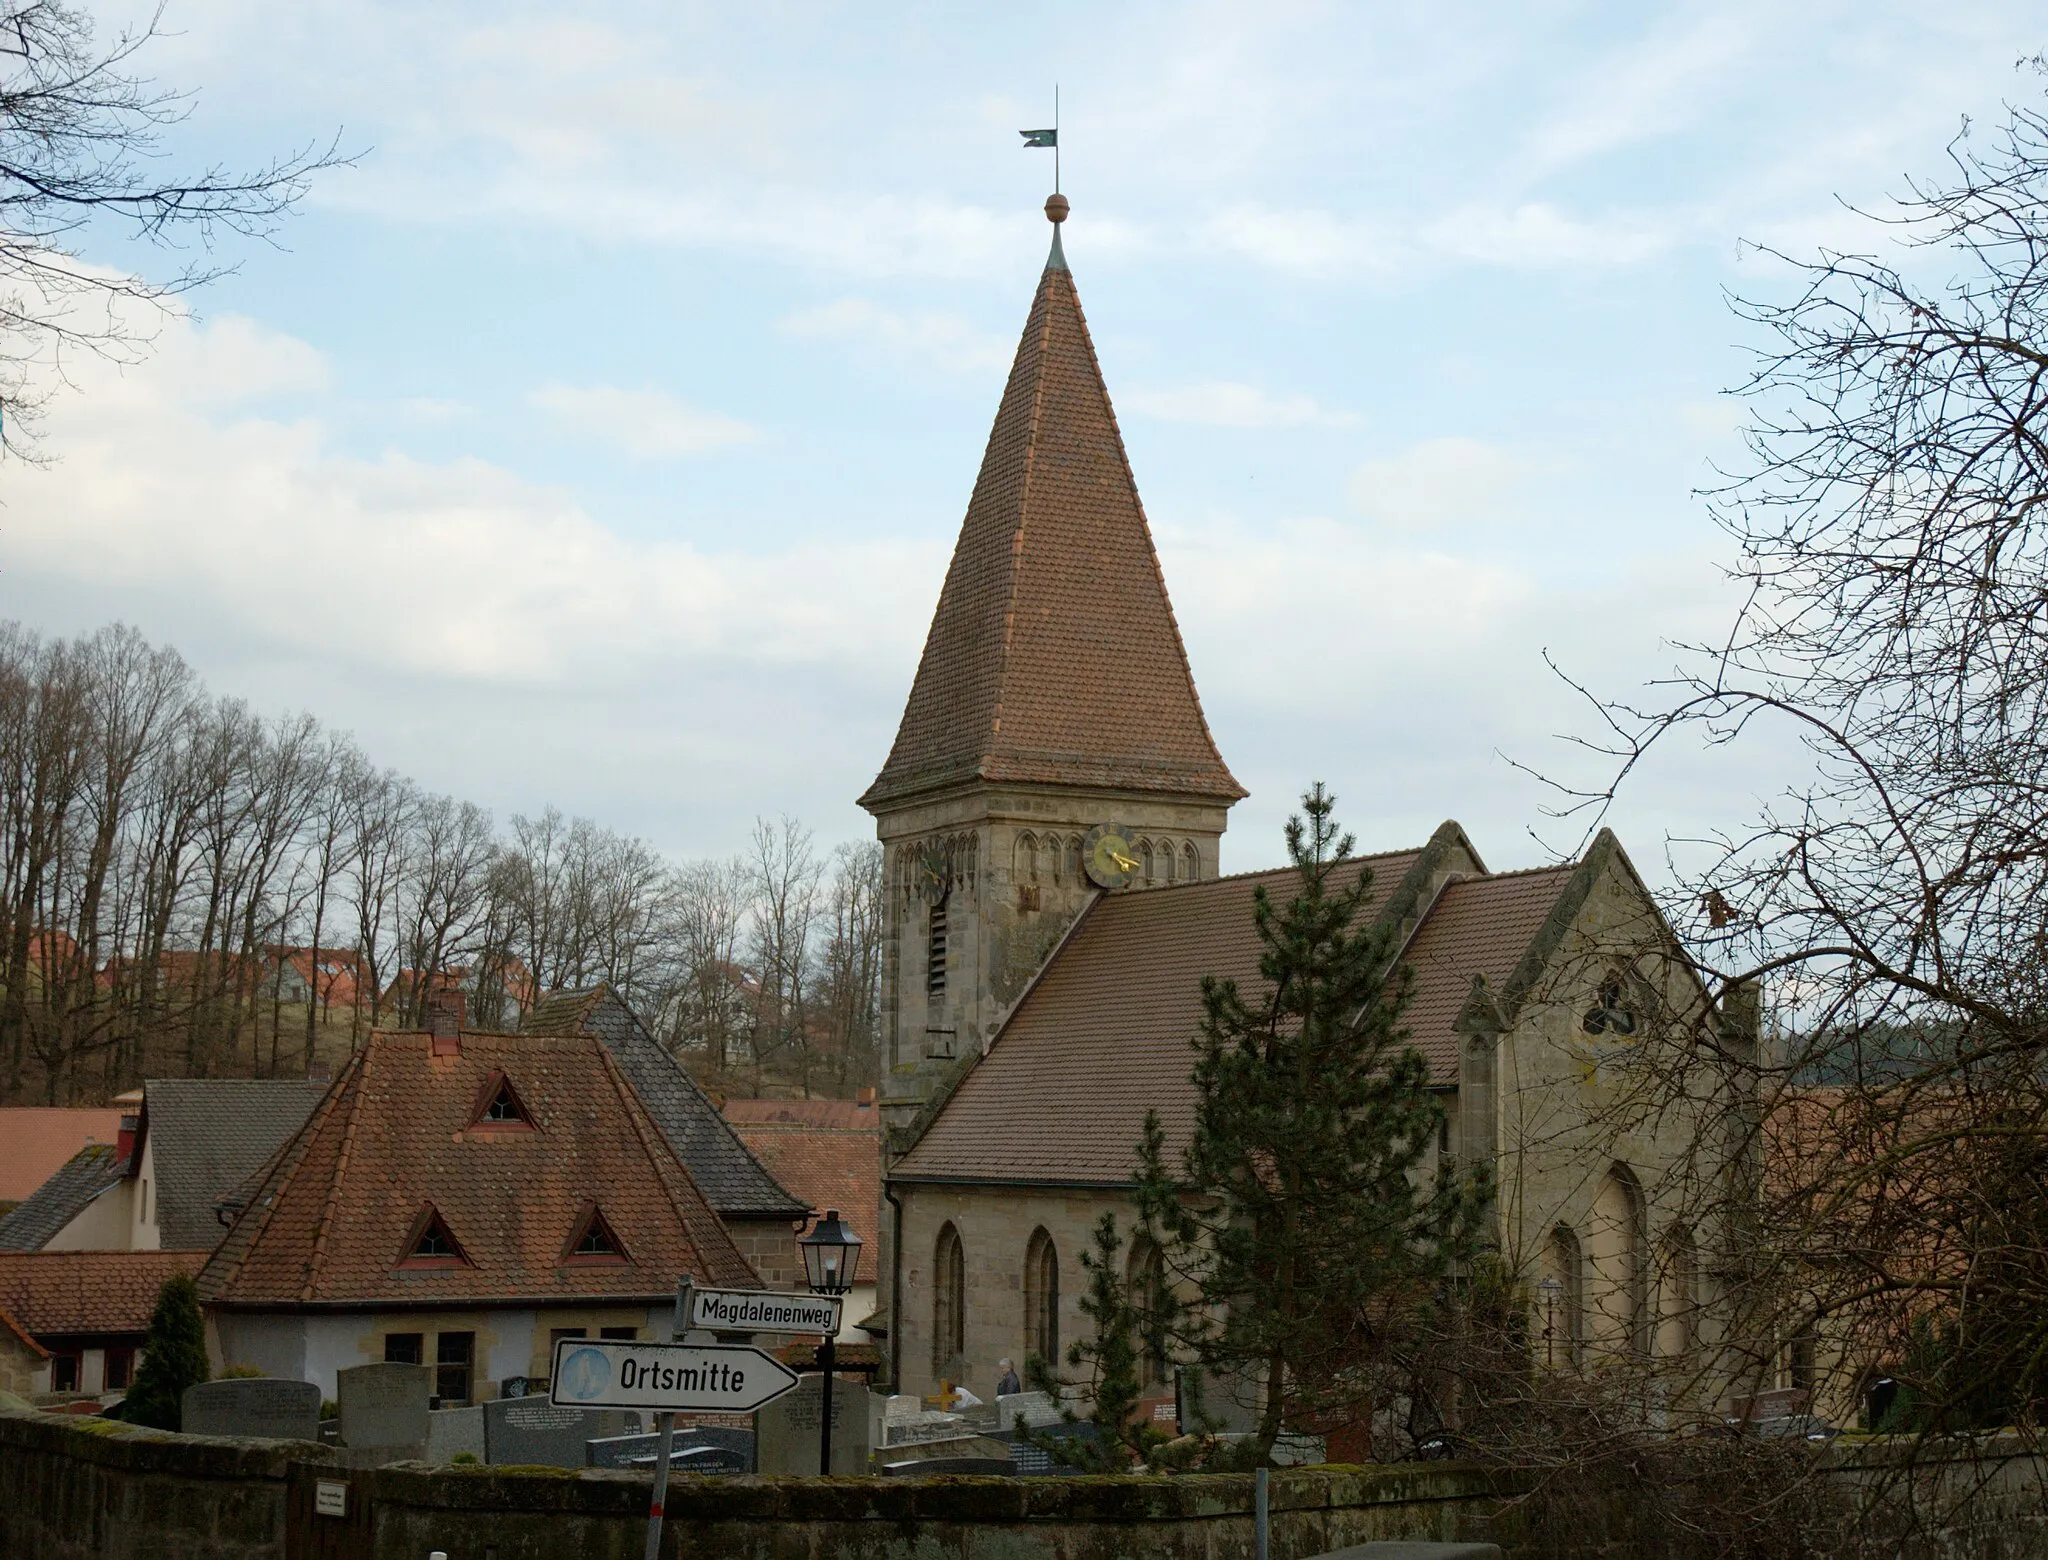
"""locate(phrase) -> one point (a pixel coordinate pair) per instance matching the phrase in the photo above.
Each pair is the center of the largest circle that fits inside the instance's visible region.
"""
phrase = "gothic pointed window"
(1610, 1013)
(1042, 1298)
(592, 1242)
(430, 1243)
(949, 1304)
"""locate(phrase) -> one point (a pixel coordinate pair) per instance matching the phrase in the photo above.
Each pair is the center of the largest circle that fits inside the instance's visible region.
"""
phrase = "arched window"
(1146, 860)
(1612, 1012)
(1042, 1298)
(1563, 1290)
(1620, 1242)
(1190, 863)
(1073, 855)
(1145, 1283)
(1678, 1295)
(949, 1302)
(1026, 867)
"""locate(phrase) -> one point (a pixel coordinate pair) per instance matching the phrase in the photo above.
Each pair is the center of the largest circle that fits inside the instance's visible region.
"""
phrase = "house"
(23, 1361)
(87, 1310)
(186, 1149)
(462, 1199)
(762, 1215)
(336, 977)
(829, 1153)
(35, 1140)
(1051, 814)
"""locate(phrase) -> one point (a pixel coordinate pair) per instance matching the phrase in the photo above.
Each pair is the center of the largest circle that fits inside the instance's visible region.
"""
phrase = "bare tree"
(786, 877)
(81, 146)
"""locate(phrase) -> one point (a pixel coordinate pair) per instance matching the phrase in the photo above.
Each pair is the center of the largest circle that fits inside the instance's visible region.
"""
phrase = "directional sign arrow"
(666, 1377)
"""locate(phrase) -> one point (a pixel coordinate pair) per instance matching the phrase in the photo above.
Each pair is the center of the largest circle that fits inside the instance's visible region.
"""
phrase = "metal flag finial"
(1048, 137)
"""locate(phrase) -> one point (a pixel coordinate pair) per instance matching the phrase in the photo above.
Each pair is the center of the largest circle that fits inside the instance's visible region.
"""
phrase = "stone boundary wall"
(96, 1489)
(72, 1489)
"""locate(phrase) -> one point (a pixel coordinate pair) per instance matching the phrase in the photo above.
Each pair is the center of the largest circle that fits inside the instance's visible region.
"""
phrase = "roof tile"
(55, 1293)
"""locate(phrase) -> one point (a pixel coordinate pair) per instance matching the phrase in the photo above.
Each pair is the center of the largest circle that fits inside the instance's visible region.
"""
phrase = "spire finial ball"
(1056, 208)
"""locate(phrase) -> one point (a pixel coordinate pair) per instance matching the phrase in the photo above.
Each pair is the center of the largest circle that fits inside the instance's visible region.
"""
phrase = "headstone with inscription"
(384, 1405)
(253, 1406)
(786, 1430)
(533, 1432)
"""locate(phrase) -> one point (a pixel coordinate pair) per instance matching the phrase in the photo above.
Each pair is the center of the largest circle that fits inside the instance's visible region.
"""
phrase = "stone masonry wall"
(99, 1490)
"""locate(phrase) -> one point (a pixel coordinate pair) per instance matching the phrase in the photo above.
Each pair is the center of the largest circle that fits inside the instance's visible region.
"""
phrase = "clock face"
(931, 878)
(1108, 856)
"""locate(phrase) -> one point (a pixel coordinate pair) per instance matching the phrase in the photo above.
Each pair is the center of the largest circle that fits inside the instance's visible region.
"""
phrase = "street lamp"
(831, 1256)
(1550, 1289)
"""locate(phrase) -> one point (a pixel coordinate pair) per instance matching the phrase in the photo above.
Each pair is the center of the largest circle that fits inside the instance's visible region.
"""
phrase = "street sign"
(759, 1311)
(730, 1378)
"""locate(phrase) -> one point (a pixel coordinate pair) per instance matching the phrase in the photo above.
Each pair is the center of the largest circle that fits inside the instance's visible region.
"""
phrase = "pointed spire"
(1053, 656)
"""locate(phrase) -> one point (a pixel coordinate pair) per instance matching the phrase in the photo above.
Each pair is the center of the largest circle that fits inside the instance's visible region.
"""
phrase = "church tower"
(1053, 745)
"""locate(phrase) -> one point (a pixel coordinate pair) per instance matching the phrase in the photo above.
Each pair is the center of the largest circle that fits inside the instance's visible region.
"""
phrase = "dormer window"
(431, 1244)
(499, 1107)
(592, 1242)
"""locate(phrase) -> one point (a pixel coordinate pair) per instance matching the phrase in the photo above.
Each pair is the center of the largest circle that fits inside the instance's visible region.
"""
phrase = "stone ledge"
(109, 1443)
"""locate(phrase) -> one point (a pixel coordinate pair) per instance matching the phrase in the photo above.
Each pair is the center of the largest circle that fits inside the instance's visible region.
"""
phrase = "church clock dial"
(1108, 856)
(932, 877)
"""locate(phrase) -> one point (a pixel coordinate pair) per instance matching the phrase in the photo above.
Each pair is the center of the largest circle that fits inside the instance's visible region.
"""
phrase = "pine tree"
(1300, 1217)
(174, 1357)
(1110, 1354)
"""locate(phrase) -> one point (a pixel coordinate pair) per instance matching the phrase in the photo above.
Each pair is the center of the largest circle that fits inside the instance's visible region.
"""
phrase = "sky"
(599, 438)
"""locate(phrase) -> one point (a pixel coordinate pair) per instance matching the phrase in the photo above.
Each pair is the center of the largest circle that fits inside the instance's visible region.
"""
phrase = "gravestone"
(384, 1405)
(255, 1406)
(533, 1432)
(639, 1451)
(786, 1430)
(932, 1468)
(925, 1425)
(1032, 1408)
(453, 1430)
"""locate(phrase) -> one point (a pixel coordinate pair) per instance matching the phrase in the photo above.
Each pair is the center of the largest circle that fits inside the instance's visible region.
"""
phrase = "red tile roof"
(1106, 1032)
(37, 1141)
(828, 1152)
(56, 1293)
(330, 1221)
(8, 1322)
(1053, 655)
(1480, 926)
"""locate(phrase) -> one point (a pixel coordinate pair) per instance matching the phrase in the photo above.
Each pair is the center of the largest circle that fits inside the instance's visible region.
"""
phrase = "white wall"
(101, 1225)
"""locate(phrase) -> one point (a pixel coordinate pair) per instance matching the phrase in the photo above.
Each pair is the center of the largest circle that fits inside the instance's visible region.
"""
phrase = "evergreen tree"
(174, 1357)
(1300, 1218)
(1111, 1356)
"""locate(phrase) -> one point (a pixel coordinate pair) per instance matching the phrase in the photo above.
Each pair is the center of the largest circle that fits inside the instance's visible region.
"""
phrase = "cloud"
(651, 424)
(1223, 404)
(945, 340)
(1439, 482)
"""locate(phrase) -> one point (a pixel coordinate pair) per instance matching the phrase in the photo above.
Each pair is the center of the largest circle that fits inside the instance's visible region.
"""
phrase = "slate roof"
(36, 1140)
(1105, 1032)
(55, 1294)
(92, 1170)
(335, 1217)
(829, 1152)
(1103, 1035)
(208, 1135)
(731, 1178)
(1053, 656)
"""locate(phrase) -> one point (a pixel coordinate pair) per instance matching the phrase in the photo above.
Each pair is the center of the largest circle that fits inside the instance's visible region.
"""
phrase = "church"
(1051, 813)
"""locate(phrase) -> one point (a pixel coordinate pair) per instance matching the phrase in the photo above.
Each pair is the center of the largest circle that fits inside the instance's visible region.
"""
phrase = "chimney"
(865, 1099)
(124, 1149)
(319, 1072)
(445, 1012)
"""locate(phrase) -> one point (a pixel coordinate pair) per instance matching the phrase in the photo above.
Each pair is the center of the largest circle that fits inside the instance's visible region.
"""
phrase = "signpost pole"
(827, 1358)
(678, 1325)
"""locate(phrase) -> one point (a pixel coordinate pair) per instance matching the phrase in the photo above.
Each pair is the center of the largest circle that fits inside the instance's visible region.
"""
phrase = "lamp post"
(1549, 1289)
(831, 1254)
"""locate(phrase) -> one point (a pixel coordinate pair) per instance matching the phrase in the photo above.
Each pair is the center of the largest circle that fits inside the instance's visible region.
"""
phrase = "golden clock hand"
(1123, 862)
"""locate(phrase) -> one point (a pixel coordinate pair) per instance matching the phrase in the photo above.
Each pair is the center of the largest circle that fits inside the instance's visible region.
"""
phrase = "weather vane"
(1049, 138)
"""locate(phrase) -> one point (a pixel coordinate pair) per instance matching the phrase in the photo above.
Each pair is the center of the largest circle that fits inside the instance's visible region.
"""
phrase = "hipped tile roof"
(1053, 656)
(729, 1176)
(829, 1152)
(54, 1294)
(1107, 1030)
(208, 1135)
(35, 1140)
(330, 1222)
(89, 1173)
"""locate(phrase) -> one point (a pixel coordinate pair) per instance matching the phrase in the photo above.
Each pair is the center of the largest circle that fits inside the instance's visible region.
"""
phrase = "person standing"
(1009, 1384)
